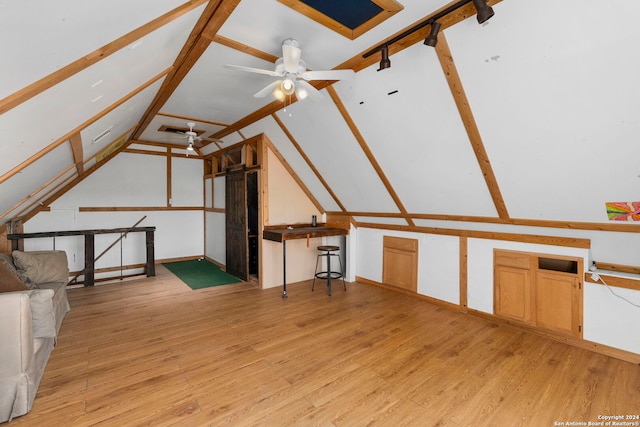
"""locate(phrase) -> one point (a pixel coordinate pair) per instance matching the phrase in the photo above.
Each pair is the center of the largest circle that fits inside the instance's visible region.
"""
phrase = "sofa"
(33, 303)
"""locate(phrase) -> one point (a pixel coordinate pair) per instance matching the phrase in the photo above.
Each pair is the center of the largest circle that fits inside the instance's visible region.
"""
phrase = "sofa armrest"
(43, 315)
(16, 333)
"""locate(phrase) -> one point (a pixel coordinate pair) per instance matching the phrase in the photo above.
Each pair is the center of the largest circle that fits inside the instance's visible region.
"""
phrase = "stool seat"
(328, 274)
(329, 248)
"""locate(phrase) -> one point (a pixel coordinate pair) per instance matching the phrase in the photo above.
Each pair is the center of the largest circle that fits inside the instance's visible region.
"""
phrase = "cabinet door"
(558, 305)
(512, 297)
(400, 262)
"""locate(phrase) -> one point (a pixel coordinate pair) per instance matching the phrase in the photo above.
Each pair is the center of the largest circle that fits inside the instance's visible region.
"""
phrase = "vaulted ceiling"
(528, 117)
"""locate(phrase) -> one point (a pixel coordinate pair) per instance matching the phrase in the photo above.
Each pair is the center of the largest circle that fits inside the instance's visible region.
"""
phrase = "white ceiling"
(554, 100)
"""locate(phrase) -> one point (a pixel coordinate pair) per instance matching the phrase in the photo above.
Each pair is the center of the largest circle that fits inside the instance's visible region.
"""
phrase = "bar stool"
(328, 275)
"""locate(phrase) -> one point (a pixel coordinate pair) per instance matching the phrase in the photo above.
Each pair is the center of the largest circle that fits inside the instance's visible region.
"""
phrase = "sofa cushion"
(9, 282)
(42, 266)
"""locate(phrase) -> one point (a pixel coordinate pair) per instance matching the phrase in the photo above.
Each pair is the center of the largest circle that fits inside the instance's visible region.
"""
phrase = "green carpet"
(200, 274)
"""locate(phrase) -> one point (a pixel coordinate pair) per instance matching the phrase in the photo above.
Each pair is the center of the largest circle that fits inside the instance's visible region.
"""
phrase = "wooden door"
(236, 224)
(558, 302)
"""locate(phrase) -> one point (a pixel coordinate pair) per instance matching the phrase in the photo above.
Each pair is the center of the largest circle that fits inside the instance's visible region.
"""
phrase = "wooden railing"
(89, 246)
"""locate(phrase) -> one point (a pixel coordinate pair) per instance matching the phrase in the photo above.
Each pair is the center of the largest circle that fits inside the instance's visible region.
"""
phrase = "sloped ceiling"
(530, 116)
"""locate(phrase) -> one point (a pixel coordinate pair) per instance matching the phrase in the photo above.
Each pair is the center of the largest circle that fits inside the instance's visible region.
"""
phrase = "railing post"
(151, 264)
(89, 264)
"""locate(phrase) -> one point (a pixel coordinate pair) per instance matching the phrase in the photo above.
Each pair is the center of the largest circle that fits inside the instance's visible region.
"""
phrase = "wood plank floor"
(154, 352)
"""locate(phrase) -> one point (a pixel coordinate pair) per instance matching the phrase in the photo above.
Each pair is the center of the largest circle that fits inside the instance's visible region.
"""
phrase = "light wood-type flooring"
(153, 352)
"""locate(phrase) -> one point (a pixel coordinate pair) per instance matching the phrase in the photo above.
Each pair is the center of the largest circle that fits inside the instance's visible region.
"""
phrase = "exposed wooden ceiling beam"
(241, 47)
(293, 174)
(464, 109)
(75, 141)
(66, 137)
(75, 67)
(31, 199)
(306, 158)
(367, 152)
(213, 17)
(191, 119)
(358, 62)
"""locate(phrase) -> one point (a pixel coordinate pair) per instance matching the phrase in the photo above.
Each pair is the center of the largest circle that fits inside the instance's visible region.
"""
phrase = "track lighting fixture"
(432, 38)
(385, 62)
(484, 11)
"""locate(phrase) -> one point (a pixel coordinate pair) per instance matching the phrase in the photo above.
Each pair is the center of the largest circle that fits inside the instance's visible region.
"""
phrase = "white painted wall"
(185, 178)
(216, 247)
(554, 103)
(287, 204)
(610, 320)
(129, 180)
(215, 226)
(219, 192)
(606, 317)
(438, 261)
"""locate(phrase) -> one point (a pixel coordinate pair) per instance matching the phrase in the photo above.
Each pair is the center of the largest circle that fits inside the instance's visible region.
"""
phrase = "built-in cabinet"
(400, 262)
(544, 291)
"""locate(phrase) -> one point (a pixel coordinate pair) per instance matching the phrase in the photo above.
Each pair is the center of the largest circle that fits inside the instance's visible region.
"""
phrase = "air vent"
(102, 134)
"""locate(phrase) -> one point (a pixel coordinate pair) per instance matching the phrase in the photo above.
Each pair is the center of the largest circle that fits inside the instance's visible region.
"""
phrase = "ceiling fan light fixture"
(288, 86)
(432, 38)
(484, 11)
(278, 93)
(301, 93)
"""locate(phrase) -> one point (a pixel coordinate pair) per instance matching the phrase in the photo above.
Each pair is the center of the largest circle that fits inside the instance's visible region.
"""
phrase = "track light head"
(432, 38)
(385, 62)
(484, 11)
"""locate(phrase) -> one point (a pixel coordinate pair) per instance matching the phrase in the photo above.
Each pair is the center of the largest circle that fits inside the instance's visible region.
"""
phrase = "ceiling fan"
(194, 141)
(294, 76)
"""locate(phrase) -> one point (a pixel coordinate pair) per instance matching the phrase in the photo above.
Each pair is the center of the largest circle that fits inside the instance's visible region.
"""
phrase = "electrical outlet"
(595, 277)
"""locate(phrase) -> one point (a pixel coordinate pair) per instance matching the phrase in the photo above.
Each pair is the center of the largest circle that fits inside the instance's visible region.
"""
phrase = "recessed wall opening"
(561, 265)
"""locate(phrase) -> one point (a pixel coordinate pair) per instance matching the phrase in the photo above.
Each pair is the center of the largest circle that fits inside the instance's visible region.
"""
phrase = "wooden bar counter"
(290, 232)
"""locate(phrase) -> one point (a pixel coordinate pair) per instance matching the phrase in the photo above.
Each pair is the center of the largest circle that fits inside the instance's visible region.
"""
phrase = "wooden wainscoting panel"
(400, 262)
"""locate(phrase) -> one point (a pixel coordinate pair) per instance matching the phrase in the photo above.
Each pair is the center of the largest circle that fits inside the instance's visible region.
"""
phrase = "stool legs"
(328, 275)
(315, 275)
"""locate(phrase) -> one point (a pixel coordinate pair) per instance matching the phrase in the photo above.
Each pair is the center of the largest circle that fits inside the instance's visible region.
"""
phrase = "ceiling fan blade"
(291, 55)
(212, 139)
(328, 75)
(253, 70)
(266, 90)
(311, 92)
